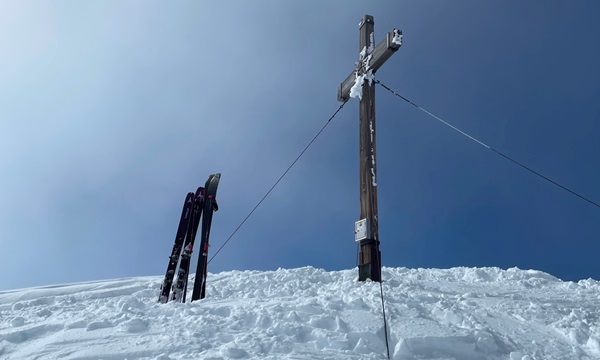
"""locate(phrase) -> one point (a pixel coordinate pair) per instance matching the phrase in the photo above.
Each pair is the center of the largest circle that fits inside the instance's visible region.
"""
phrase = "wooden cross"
(360, 84)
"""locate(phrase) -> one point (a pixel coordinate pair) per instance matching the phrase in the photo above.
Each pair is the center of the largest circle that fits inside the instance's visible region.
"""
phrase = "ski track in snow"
(308, 313)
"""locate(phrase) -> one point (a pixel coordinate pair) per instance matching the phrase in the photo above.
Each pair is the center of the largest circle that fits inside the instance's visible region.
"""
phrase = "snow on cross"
(397, 39)
(365, 74)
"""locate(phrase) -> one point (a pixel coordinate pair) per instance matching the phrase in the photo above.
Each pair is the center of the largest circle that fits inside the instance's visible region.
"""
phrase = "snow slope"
(308, 313)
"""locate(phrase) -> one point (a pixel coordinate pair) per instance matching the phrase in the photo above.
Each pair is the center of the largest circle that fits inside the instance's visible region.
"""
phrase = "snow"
(397, 39)
(308, 313)
(363, 52)
(356, 89)
(366, 74)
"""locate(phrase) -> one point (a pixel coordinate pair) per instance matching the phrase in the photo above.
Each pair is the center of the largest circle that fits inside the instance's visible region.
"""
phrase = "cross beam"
(381, 53)
(359, 83)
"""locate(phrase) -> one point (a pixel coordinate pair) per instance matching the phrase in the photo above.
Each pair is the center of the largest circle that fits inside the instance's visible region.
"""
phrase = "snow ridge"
(308, 313)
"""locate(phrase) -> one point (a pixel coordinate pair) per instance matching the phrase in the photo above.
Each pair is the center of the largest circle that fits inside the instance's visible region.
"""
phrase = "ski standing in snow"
(199, 205)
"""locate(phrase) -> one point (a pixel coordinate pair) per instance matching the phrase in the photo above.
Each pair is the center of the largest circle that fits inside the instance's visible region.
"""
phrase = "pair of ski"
(197, 206)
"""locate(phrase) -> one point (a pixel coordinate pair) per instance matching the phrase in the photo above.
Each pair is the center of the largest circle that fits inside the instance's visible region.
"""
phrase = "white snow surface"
(308, 313)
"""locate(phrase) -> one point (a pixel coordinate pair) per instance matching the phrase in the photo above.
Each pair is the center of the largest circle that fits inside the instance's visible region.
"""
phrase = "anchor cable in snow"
(387, 343)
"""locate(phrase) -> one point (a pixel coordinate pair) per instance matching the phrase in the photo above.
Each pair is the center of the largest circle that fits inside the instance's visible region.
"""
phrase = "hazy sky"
(110, 112)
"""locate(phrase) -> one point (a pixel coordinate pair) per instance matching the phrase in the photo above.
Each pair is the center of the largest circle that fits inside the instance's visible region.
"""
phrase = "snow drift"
(308, 313)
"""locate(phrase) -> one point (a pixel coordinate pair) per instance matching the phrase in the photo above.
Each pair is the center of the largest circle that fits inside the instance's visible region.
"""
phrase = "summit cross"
(360, 83)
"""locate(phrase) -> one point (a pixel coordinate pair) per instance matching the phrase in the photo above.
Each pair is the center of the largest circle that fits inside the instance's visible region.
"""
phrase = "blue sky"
(110, 112)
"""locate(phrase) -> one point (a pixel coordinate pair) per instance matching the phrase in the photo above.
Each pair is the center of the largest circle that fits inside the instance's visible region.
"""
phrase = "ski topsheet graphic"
(197, 206)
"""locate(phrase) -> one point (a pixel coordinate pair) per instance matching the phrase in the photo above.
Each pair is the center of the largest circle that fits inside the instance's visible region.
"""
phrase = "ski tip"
(213, 179)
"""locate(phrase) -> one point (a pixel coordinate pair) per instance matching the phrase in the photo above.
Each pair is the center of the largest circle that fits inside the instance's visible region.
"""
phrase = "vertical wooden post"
(369, 264)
